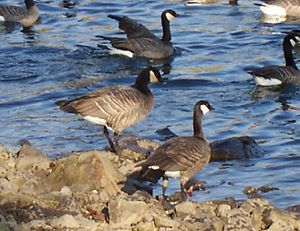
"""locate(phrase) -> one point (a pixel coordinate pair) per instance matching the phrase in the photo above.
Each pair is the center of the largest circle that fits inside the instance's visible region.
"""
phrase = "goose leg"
(183, 193)
(116, 140)
(111, 144)
(164, 185)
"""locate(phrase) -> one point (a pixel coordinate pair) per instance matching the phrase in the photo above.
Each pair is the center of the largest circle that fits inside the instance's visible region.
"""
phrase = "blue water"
(58, 59)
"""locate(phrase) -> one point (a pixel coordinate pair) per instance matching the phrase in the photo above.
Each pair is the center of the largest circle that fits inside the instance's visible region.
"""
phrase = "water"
(59, 59)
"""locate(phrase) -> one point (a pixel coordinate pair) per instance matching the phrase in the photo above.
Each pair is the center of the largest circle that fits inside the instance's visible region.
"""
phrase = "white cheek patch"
(204, 109)
(293, 43)
(153, 78)
(172, 174)
(260, 81)
(2, 18)
(273, 10)
(169, 16)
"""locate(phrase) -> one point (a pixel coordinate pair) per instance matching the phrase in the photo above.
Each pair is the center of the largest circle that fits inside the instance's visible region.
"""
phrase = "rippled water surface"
(58, 59)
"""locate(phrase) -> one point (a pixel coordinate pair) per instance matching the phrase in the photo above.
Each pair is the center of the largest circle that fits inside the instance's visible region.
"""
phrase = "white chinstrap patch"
(153, 78)
(204, 109)
(169, 16)
(172, 174)
(261, 81)
(2, 18)
(273, 10)
(293, 43)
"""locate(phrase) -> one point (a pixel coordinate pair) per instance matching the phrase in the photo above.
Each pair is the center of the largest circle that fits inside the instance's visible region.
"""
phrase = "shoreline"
(97, 190)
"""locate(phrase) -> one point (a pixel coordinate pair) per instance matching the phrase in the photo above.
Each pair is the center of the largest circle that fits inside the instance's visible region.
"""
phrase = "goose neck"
(142, 85)
(288, 53)
(29, 3)
(197, 124)
(166, 29)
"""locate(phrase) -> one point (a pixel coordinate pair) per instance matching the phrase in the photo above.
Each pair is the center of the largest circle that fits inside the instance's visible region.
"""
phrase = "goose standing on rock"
(26, 17)
(180, 156)
(281, 8)
(116, 107)
(277, 75)
(142, 42)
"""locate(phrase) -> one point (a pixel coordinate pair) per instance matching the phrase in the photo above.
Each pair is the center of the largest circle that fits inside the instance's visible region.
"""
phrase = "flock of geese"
(119, 107)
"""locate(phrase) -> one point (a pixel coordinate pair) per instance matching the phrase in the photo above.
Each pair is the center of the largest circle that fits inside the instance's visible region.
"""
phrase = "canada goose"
(142, 42)
(281, 8)
(180, 156)
(116, 107)
(26, 17)
(196, 2)
(278, 75)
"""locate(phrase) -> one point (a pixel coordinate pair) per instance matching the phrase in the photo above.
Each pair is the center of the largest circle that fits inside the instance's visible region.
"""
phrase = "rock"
(29, 157)
(164, 221)
(32, 225)
(186, 208)
(136, 148)
(235, 148)
(66, 191)
(126, 212)
(85, 172)
(65, 221)
(145, 226)
(223, 209)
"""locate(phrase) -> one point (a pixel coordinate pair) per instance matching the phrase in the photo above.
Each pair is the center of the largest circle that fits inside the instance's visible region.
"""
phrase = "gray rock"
(235, 148)
(186, 208)
(164, 221)
(126, 212)
(28, 157)
(65, 221)
(85, 172)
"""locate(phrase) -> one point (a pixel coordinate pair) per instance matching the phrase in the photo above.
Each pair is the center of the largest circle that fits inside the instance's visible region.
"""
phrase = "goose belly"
(261, 81)
(273, 10)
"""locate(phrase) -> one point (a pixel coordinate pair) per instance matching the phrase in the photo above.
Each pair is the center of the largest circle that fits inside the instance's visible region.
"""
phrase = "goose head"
(169, 14)
(203, 106)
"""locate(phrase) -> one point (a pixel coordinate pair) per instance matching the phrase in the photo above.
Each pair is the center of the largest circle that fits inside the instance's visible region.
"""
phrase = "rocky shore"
(98, 190)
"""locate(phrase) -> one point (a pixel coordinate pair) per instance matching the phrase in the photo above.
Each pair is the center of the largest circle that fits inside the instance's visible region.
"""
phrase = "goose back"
(132, 28)
(26, 17)
(279, 74)
(140, 41)
(119, 106)
(280, 7)
(185, 154)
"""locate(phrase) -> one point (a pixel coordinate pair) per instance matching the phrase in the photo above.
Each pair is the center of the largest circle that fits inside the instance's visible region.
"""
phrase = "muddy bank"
(97, 190)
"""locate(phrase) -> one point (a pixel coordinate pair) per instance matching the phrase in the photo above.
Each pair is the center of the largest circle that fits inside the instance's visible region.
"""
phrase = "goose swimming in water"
(278, 75)
(116, 107)
(180, 156)
(142, 42)
(281, 8)
(199, 2)
(26, 17)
